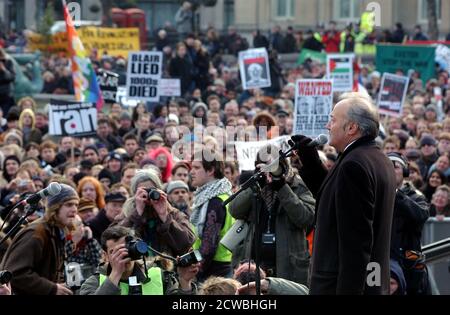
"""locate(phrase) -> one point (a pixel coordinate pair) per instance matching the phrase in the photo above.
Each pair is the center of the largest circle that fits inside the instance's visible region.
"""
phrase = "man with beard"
(178, 196)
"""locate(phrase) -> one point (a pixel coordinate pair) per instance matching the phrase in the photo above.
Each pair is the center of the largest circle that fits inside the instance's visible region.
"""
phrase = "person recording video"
(149, 213)
(285, 215)
(124, 272)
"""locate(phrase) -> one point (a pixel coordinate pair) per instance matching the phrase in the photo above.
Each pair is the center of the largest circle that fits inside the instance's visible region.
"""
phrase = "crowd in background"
(134, 145)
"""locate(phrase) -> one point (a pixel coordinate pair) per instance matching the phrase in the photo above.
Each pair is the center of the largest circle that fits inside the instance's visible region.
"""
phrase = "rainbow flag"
(84, 79)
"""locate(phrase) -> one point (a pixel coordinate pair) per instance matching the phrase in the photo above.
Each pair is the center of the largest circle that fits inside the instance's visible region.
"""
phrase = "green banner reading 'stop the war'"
(391, 58)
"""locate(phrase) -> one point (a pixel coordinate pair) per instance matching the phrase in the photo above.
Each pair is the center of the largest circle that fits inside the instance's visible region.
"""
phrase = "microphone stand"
(29, 210)
(252, 183)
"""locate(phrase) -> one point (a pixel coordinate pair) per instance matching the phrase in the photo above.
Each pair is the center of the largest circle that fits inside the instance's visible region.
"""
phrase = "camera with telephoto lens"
(5, 277)
(189, 259)
(152, 194)
(136, 248)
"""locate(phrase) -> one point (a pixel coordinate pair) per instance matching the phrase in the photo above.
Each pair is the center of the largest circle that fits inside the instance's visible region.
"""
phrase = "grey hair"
(363, 112)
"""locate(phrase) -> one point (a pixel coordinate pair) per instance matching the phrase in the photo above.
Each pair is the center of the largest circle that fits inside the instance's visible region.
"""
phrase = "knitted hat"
(143, 176)
(15, 136)
(85, 205)
(427, 140)
(176, 184)
(56, 201)
(105, 173)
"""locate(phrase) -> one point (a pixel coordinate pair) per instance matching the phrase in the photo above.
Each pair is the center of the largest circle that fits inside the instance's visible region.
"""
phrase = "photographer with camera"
(411, 211)
(36, 256)
(149, 213)
(287, 213)
(125, 274)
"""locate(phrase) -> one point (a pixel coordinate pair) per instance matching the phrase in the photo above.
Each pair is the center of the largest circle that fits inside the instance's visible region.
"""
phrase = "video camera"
(189, 259)
(5, 277)
(136, 248)
(152, 194)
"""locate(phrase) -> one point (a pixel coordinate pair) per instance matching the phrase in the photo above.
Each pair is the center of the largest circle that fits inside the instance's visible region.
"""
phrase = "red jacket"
(331, 43)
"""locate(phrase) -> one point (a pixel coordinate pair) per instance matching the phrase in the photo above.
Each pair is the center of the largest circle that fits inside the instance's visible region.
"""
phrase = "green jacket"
(295, 215)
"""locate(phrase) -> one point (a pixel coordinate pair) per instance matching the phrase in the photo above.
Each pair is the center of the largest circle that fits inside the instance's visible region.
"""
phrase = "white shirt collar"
(349, 145)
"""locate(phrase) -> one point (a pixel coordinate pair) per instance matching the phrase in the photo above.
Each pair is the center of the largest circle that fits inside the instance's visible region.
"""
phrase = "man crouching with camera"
(149, 213)
(126, 274)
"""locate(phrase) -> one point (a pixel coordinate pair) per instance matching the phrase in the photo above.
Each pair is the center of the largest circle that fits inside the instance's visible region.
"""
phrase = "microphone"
(320, 140)
(52, 189)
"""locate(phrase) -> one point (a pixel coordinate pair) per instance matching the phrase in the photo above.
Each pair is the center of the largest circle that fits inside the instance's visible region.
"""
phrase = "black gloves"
(308, 155)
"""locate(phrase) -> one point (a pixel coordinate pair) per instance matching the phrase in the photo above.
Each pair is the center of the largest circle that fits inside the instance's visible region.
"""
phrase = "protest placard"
(74, 119)
(143, 75)
(313, 105)
(391, 58)
(108, 82)
(121, 97)
(115, 41)
(392, 94)
(340, 71)
(246, 151)
(170, 87)
(254, 68)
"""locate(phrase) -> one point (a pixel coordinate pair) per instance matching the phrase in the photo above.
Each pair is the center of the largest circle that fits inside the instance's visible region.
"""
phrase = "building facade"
(248, 15)
(305, 14)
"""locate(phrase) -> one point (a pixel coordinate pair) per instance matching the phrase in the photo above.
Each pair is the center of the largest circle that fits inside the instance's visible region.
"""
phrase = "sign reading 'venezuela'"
(143, 75)
(72, 118)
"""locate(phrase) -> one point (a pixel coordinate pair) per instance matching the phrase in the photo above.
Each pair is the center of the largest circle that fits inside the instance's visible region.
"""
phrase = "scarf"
(201, 198)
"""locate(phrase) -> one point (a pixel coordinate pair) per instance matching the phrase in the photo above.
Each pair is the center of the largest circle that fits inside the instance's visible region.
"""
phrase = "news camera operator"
(159, 224)
(287, 212)
(411, 211)
(124, 272)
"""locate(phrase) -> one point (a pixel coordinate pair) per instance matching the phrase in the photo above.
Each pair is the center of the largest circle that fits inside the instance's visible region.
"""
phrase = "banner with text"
(144, 75)
(254, 68)
(74, 119)
(115, 41)
(313, 105)
(391, 58)
(170, 87)
(246, 151)
(340, 71)
(392, 94)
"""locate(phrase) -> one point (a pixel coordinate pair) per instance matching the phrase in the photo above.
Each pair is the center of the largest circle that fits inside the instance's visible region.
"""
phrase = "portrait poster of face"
(254, 68)
(392, 94)
(313, 105)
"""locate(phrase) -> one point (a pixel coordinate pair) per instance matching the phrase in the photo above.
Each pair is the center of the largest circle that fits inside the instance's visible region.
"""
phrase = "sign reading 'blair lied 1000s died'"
(143, 75)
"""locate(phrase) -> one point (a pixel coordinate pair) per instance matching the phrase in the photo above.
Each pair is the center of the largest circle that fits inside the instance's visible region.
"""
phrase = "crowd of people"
(129, 182)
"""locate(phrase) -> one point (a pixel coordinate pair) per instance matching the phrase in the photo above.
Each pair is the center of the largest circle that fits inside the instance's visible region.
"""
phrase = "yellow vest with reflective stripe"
(152, 287)
(222, 254)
